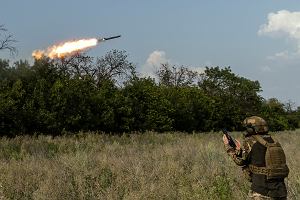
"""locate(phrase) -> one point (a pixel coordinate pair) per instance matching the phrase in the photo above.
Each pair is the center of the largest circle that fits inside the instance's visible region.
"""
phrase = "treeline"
(107, 94)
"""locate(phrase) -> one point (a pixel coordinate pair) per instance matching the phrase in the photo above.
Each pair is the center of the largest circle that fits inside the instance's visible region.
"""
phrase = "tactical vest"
(275, 160)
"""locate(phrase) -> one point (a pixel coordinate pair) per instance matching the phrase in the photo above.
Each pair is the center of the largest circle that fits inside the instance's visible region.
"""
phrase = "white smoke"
(153, 62)
(284, 24)
(156, 58)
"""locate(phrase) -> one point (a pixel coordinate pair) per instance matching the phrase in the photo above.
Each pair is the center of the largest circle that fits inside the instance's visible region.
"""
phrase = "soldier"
(262, 160)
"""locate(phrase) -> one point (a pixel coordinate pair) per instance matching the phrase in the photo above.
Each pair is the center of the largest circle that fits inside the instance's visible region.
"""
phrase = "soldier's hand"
(237, 143)
(225, 140)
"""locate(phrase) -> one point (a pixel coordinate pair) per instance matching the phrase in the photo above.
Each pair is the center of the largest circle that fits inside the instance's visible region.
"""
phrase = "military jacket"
(253, 153)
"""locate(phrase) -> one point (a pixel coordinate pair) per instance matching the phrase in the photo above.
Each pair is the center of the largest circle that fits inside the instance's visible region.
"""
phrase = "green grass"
(139, 166)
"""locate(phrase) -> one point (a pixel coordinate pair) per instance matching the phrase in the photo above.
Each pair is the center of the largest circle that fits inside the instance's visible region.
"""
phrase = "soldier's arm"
(240, 156)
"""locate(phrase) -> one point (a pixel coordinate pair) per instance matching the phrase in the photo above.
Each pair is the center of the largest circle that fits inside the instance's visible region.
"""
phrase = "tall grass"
(138, 166)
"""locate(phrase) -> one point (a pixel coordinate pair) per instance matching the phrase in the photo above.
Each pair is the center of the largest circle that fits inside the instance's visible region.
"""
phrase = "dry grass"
(148, 166)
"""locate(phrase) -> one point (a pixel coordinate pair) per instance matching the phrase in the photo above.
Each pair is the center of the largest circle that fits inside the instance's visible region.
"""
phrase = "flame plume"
(65, 49)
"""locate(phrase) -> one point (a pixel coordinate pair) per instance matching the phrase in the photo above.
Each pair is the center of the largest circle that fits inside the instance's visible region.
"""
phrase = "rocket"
(108, 38)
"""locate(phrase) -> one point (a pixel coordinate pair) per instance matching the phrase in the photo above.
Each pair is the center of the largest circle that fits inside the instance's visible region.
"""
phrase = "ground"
(137, 166)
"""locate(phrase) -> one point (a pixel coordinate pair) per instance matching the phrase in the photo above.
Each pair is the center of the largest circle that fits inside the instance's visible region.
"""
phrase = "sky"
(259, 40)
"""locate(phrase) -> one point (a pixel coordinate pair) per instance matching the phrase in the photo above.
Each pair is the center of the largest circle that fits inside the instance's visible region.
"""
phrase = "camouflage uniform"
(252, 153)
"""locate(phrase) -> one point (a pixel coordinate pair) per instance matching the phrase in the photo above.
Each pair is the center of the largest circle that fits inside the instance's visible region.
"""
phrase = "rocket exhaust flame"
(65, 49)
(69, 48)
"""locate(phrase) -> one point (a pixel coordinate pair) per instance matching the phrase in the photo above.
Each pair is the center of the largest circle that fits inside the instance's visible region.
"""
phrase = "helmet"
(255, 125)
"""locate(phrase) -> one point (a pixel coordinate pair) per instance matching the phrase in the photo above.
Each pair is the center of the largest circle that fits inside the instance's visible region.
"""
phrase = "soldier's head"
(255, 125)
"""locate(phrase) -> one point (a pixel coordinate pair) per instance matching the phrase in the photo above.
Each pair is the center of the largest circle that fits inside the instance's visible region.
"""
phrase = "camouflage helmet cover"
(255, 125)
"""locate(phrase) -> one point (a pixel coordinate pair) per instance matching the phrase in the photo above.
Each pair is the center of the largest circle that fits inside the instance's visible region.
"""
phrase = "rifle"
(229, 138)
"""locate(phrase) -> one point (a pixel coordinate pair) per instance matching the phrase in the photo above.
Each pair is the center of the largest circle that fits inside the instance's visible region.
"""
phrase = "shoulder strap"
(248, 144)
(259, 139)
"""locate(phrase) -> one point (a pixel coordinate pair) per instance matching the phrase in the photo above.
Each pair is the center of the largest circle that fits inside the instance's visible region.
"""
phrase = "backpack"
(275, 160)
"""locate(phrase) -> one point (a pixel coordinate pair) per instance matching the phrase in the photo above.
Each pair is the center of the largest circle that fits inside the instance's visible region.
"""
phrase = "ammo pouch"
(275, 160)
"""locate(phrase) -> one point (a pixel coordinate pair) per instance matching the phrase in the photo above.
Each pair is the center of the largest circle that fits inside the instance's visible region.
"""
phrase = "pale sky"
(260, 40)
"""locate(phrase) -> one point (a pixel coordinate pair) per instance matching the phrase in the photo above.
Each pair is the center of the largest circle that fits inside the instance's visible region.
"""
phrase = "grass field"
(139, 166)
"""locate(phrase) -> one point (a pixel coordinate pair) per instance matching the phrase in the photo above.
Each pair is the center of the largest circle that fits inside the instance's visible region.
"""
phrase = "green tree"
(234, 97)
(275, 114)
(11, 100)
(114, 66)
(4, 70)
(149, 109)
(190, 108)
(176, 76)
